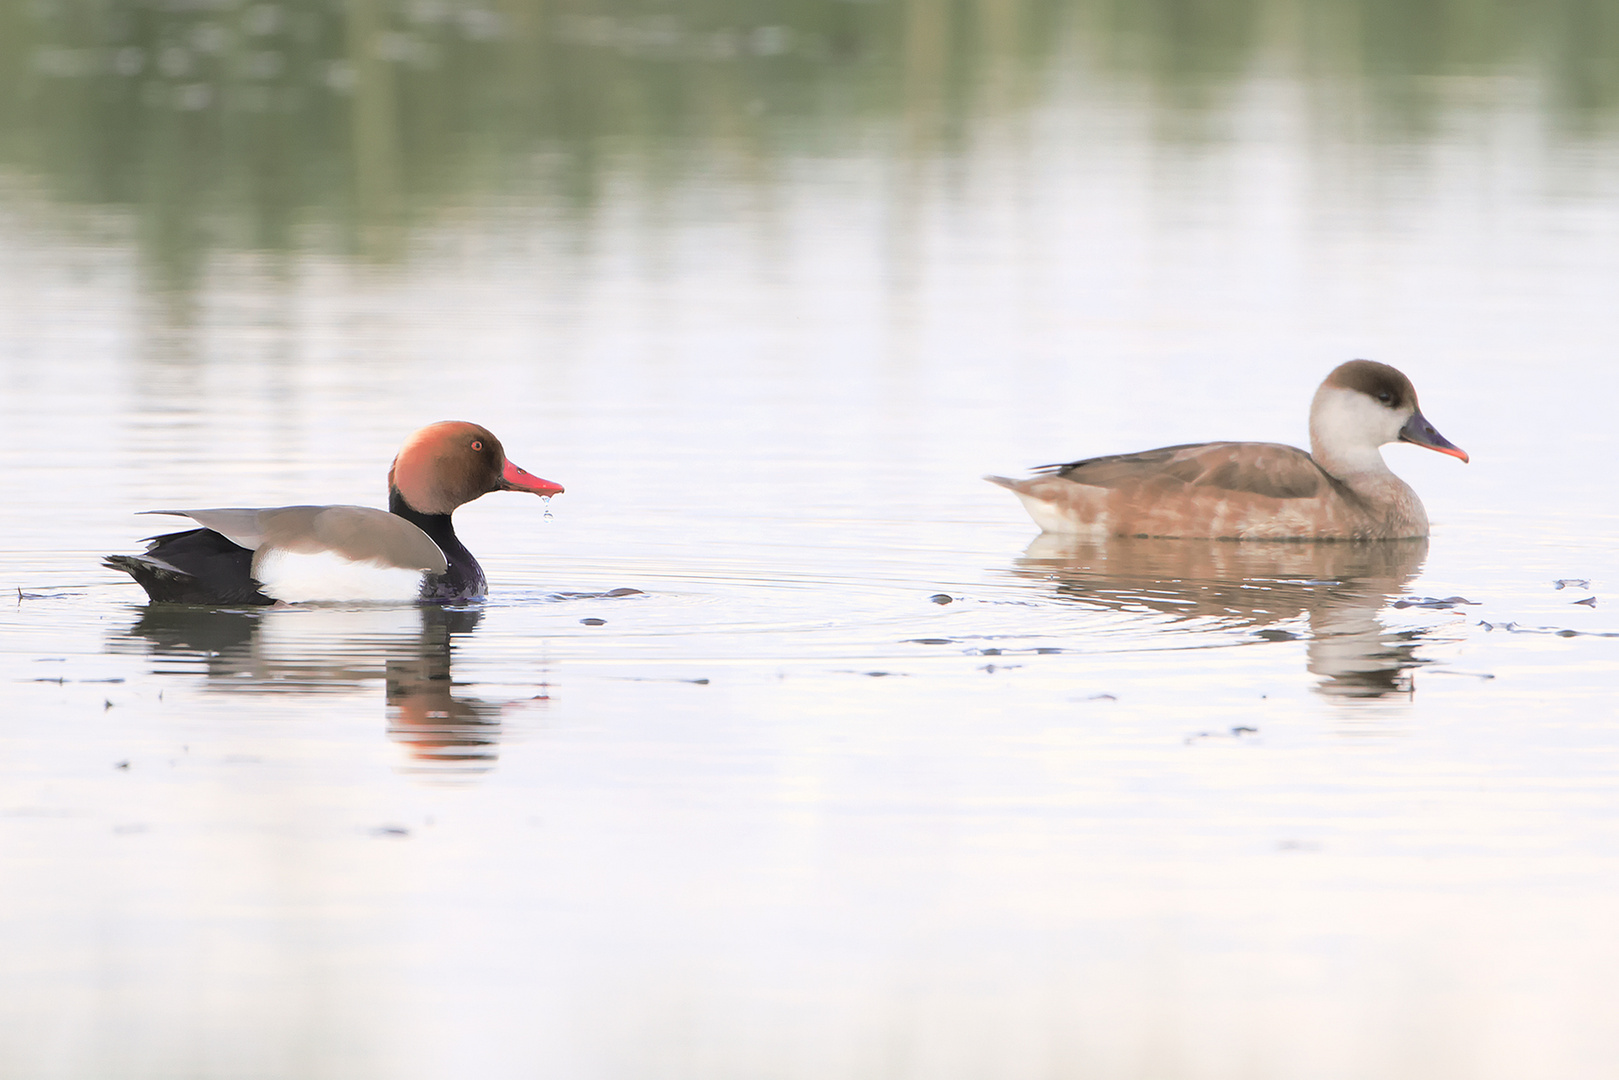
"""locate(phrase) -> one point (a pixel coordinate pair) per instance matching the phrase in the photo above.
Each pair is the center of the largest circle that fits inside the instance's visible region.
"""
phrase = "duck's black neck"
(464, 579)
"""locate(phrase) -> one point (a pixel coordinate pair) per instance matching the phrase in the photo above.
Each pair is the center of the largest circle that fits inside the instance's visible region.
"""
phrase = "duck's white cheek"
(297, 579)
(1350, 426)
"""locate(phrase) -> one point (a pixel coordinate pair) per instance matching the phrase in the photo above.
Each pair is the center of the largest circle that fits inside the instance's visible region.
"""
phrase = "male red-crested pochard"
(1341, 490)
(229, 561)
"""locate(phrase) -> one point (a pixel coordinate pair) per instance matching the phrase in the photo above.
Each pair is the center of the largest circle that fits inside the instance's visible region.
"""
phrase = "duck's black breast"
(463, 578)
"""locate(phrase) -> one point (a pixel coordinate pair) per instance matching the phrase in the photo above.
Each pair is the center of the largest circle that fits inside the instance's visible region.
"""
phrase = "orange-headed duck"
(246, 556)
(1341, 490)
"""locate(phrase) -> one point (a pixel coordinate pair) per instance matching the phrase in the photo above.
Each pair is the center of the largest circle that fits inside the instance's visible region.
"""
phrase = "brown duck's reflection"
(444, 734)
(1339, 588)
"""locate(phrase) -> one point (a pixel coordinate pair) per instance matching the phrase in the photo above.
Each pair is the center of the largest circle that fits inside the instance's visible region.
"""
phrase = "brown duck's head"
(447, 464)
(1362, 405)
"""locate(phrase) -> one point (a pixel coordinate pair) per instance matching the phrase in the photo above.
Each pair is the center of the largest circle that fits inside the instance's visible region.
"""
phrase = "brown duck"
(1340, 490)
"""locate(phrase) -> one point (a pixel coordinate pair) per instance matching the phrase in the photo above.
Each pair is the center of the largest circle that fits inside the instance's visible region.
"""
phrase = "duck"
(261, 556)
(1340, 490)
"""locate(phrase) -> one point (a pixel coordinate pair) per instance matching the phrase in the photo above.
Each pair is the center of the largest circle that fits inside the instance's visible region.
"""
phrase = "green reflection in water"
(283, 124)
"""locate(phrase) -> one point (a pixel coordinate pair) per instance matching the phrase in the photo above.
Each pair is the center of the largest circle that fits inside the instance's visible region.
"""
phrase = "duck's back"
(1220, 490)
(1271, 470)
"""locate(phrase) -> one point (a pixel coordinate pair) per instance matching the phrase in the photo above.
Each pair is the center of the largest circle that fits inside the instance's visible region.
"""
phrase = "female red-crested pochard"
(1341, 490)
(235, 557)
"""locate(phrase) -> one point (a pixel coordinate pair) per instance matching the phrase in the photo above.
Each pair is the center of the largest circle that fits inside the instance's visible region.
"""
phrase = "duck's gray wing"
(359, 533)
(1272, 470)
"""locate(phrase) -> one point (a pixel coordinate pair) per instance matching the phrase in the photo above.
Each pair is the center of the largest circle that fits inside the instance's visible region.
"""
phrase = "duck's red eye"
(477, 445)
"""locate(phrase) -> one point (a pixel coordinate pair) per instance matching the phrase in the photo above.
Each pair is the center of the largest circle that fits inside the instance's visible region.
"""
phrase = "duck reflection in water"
(444, 735)
(1340, 588)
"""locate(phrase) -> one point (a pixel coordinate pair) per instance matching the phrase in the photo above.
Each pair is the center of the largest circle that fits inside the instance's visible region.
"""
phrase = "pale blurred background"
(768, 286)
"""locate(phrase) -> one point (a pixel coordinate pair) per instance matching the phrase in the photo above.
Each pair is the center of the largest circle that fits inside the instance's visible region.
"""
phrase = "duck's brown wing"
(360, 533)
(1272, 470)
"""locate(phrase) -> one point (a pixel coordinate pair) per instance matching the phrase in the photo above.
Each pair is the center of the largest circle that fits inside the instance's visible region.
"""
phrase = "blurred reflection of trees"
(263, 123)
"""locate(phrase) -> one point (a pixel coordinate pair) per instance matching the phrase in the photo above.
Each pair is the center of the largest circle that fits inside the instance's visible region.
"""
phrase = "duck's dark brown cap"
(1375, 380)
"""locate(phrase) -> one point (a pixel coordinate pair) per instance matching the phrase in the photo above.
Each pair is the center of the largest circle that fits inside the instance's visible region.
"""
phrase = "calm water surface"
(783, 747)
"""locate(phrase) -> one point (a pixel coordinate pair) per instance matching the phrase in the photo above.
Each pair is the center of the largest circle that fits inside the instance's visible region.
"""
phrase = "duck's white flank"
(296, 578)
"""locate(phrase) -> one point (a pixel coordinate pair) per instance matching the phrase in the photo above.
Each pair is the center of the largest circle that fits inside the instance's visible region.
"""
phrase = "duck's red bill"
(513, 478)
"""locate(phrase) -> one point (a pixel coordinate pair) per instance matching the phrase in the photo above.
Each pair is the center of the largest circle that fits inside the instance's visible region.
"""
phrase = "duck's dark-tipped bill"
(514, 479)
(1418, 430)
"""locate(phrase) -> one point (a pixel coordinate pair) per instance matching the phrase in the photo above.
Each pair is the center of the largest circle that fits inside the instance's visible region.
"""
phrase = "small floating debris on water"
(390, 830)
(1430, 602)
(121, 764)
(21, 596)
(990, 669)
(1235, 733)
(1276, 635)
(1572, 583)
(1589, 601)
(942, 598)
(1297, 845)
(593, 622)
(1514, 628)
(929, 641)
(1096, 697)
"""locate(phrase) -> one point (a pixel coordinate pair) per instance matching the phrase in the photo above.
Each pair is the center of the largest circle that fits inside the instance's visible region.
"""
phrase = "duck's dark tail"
(198, 566)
